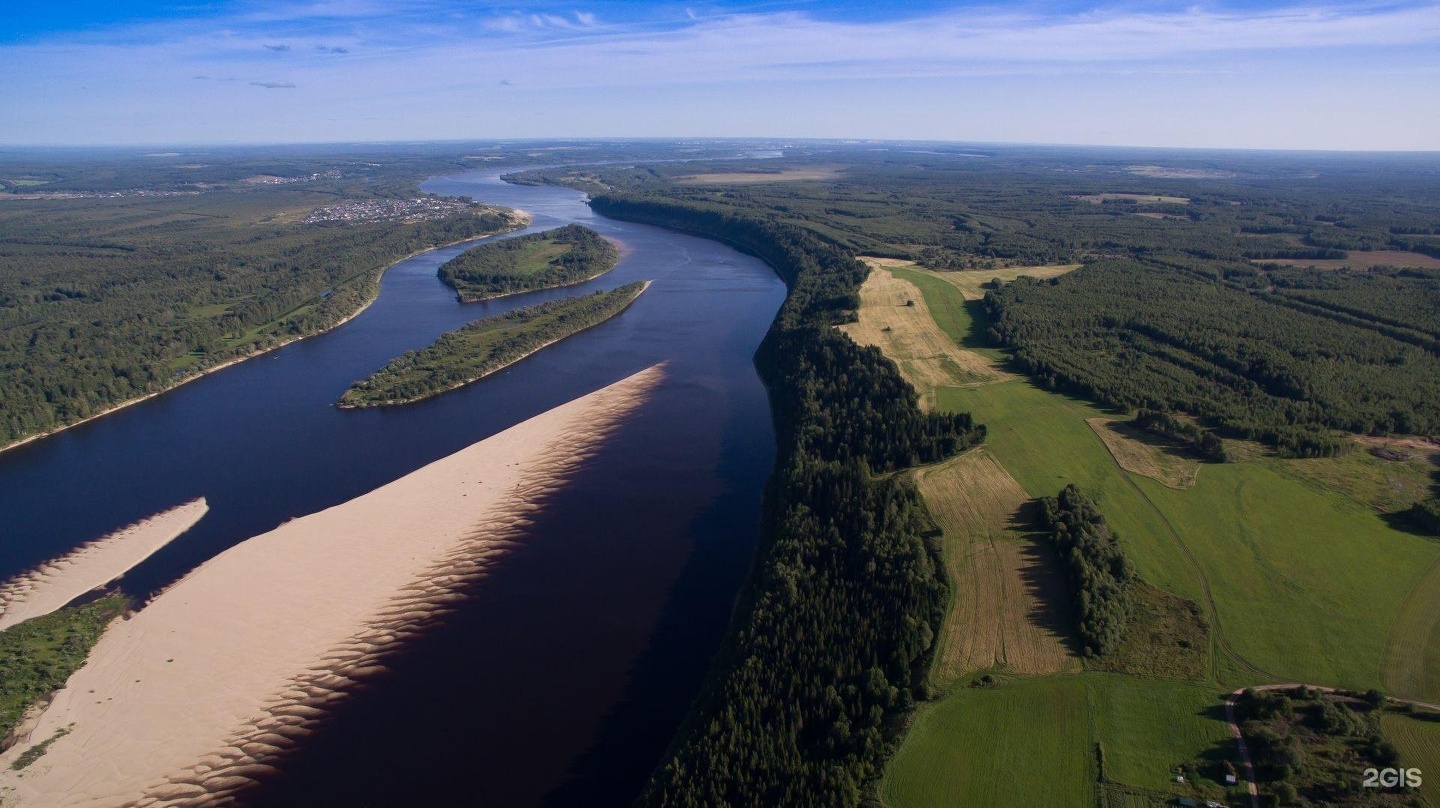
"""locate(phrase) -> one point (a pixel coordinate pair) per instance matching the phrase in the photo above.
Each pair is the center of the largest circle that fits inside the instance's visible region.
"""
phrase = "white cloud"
(422, 57)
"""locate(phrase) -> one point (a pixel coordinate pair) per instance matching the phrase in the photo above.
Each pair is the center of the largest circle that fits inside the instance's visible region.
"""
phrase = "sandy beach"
(92, 565)
(189, 700)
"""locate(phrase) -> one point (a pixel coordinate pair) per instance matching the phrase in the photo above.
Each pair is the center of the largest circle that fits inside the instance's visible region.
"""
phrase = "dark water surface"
(560, 682)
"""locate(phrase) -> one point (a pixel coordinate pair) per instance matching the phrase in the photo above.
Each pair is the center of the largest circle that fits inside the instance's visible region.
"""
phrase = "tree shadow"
(1052, 606)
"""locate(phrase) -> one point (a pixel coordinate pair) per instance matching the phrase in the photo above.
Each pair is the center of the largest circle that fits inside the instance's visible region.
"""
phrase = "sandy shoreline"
(92, 565)
(522, 223)
(196, 695)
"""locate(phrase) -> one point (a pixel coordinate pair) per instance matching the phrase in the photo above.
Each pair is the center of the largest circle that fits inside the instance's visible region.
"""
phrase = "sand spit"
(61, 580)
(191, 700)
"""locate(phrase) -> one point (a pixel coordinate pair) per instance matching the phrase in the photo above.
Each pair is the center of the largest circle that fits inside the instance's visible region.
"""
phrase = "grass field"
(1358, 259)
(754, 177)
(1296, 572)
(1142, 199)
(1303, 581)
(1032, 741)
(1010, 606)
(37, 656)
(893, 316)
(1419, 743)
(1138, 454)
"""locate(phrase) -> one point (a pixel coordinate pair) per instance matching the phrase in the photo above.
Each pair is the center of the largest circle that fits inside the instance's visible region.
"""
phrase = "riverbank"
(520, 221)
(451, 353)
(200, 692)
(57, 582)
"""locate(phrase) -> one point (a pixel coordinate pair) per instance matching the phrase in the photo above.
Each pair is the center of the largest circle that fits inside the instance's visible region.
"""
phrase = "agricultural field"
(1359, 259)
(1418, 739)
(1140, 199)
(1289, 563)
(754, 177)
(1036, 741)
(894, 317)
(1290, 569)
(973, 283)
(1139, 454)
(1008, 610)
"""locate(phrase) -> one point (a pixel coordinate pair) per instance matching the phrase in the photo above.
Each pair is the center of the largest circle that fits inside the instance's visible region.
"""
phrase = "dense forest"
(559, 257)
(1137, 334)
(832, 643)
(1185, 304)
(1100, 574)
(476, 350)
(104, 300)
(124, 272)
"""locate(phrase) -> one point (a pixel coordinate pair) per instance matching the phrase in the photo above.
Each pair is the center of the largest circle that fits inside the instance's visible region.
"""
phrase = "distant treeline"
(839, 617)
(1197, 439)
(1147, 335)
(476, 350)
(1099, 571)
(106, 300)
(526, 263)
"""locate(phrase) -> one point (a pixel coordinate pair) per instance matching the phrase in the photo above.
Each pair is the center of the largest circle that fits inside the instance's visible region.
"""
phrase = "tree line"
(102, 301)
(1099, 571)
(835, 634)
(1141, 335)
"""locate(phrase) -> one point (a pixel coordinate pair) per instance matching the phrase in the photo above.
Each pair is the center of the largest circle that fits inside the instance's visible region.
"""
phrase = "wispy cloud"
(424, 56)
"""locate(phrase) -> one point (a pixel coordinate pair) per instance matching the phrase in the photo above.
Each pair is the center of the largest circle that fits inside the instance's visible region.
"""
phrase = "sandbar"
(194, 698)
(92, 565)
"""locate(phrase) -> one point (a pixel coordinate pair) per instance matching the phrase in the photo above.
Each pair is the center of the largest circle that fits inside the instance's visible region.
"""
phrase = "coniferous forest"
(832, 645)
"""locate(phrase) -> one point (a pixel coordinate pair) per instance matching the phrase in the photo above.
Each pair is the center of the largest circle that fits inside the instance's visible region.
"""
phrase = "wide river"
(561, 680)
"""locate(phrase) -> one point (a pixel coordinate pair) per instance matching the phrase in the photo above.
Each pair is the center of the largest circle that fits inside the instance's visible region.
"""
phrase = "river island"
(483, 347)
(561, 257)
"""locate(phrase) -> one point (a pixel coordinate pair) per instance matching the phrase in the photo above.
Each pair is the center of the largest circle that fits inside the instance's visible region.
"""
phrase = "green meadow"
(1301, 579)
(1033, 741)
(1304, 581)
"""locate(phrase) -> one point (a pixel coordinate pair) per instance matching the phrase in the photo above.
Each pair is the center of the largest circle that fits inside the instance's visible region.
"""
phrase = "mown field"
(1419, 742)
(1298, 573)
(1032, 741)
(1305, 581)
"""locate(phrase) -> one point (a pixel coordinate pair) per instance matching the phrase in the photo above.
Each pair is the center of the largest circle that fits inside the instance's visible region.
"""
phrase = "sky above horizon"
(1239, 74)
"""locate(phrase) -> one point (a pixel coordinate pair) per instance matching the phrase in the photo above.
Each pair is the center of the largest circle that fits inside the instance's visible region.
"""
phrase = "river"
(563, 677)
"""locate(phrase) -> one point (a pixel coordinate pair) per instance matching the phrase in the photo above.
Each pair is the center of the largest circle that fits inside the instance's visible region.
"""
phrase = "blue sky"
(1356, 75)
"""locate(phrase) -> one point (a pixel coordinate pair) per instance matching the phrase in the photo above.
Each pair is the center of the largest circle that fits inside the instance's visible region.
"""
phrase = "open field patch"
(1418, 739)
(755, 177)
(1358, 259)
(971, 282)
(1412, 649)
(893, 317)
(1135, 453)
(1010, 604)
(1033, 742)
(1299, 580)
(1140, 199)
(1393, 482)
